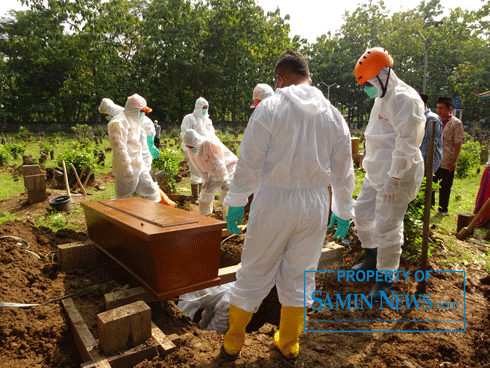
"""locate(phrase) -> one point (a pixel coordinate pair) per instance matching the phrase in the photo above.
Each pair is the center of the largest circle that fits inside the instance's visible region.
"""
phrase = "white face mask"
(204, 112)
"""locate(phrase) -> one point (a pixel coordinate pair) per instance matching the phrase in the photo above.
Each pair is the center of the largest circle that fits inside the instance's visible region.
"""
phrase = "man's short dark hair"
(424, 98)
(292, 62)
(446, 101)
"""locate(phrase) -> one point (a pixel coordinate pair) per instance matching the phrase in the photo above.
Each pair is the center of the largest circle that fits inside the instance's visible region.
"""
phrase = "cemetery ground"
(42, 337)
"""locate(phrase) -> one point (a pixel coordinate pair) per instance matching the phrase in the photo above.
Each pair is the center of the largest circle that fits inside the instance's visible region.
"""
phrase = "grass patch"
(11, 184)
(7, 216)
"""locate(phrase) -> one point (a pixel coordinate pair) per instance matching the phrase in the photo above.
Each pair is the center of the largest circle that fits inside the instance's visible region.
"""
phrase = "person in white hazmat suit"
(199, 121)
(127, 138)
(393, 163)
(109, 109)
(295, 144)
(215, 164)
(214, 301)
(261, 92)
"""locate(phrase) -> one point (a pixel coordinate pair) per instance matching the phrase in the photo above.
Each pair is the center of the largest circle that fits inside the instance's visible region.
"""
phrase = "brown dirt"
(41, 336)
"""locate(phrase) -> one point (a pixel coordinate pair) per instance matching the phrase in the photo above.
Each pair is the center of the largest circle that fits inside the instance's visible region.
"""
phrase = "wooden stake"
(65, 174)
(81, 177)
(422, 286)
(88, 176)
(78, 179)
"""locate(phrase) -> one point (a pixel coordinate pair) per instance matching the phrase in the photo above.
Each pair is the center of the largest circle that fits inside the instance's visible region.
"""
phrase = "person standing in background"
(158, 131)
(452, 140)
(430, 116)
(199, 121)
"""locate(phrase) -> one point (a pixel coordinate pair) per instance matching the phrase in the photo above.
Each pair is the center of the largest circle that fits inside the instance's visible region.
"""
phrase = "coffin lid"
(150, 220)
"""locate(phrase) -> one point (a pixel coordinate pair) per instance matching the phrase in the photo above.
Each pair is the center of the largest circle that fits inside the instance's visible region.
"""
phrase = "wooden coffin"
(169, 250)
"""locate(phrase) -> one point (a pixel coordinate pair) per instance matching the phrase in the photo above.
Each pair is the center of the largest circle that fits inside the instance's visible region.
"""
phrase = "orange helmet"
(370, 63)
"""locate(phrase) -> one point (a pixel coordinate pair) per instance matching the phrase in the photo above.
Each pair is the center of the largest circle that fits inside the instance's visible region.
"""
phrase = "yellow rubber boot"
(235, 337)
(290, 327)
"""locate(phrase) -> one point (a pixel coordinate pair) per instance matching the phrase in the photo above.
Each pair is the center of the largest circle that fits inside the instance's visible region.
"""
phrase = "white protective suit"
(107, 106)
(201, 124)
(261, 92)
(216, 307)
(126, 136)
(149, 130)
(215, 164)
(110, 108)
(393, 137)
(295, 144)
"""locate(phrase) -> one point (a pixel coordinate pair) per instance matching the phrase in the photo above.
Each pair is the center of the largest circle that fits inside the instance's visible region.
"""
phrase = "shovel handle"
(464, 231)
(65, 174)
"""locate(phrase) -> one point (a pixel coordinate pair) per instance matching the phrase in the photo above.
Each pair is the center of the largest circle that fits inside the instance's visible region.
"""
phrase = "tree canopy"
(59, 58)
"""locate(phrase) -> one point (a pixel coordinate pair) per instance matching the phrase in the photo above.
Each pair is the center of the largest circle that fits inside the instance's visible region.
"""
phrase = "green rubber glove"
(155, 153)
(234, 218)
(342, 226)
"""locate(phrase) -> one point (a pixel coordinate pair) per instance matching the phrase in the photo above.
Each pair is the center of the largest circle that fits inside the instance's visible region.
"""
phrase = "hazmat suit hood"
(200, 103)
(107, 106)
(192, 138)
(261, 92)
(134, 104)
(309, 99)
(384, 75)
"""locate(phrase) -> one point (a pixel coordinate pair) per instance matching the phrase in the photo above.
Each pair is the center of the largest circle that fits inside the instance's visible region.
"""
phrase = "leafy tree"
(60, 58)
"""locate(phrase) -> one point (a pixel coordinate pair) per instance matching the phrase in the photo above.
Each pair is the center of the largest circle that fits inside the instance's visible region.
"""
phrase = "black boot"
(195, 192)
(381, 286)
(369, 261)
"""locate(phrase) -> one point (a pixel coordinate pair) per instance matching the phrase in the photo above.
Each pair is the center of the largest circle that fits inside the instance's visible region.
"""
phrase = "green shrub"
(168, 162)
(15, 149)
(413, 223)
(227, 139)
(469, 159)
(24, 134)
(82, 132)
(47, 147)
(99, 132)
(174, 133)
(5, 154)
(79, 156)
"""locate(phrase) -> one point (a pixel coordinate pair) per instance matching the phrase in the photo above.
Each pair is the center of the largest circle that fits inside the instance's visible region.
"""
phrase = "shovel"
(466, 230)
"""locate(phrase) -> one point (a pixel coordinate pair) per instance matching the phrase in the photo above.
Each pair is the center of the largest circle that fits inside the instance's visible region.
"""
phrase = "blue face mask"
(141, 115)
(204, 112)
(371, 91)
(193, 150)
(108, 118)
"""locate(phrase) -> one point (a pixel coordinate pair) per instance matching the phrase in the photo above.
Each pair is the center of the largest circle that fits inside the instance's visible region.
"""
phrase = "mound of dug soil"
(41, 337)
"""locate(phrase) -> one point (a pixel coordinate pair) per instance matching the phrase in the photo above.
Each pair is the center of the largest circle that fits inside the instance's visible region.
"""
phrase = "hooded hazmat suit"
(110, 108)
(261, 92)
(393, 137)
(201, 124)
(107, 106)
(215, 303)
(149, 130)
(126, 136)
(215, 164)
(295, 144)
